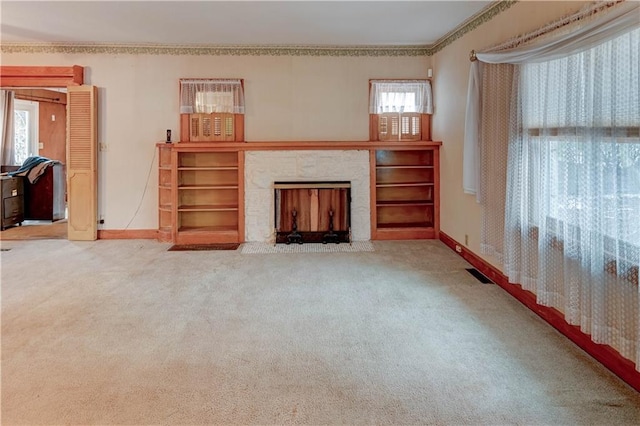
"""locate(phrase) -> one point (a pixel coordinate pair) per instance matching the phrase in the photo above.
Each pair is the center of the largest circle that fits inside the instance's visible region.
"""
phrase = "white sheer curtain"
(400, 96)
(618, 21)
(211, 95)
(572, 225)
(7, 144)
(571, 214)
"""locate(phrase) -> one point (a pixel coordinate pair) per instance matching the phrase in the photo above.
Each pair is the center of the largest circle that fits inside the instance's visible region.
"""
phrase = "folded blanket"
(33, 168)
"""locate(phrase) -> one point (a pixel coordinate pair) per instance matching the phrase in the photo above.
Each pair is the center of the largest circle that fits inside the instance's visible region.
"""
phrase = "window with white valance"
(400, 96)
(399, 109)
(211, 96)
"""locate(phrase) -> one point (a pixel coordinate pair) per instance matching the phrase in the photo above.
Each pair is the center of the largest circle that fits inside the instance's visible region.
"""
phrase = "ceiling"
(255, 23)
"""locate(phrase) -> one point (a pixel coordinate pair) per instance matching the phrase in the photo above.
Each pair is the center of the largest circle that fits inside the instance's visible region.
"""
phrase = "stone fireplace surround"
(263, 168)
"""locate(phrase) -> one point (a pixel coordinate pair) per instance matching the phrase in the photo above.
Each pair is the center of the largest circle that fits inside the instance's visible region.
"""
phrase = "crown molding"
(470, 24)
(482, 17)
(212, 50)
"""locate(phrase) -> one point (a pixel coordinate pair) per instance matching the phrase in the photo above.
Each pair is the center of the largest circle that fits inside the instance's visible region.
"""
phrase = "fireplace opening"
(312, 212)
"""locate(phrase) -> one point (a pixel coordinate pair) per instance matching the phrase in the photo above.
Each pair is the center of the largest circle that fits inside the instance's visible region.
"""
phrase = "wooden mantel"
(403, 185)
(301, 145)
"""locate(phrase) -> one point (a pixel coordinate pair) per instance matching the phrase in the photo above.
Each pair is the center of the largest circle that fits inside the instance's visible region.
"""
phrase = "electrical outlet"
(40, 145)
(53, 117)
(102, 146)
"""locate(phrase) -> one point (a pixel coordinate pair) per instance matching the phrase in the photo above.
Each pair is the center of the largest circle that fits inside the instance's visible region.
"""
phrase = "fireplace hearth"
(312, 212)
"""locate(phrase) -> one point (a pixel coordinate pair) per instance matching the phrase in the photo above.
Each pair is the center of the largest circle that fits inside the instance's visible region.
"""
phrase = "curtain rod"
(42, 98)
(562, 22)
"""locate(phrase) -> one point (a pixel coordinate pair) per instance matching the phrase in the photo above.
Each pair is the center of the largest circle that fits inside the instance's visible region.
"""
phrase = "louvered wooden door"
(82, 167)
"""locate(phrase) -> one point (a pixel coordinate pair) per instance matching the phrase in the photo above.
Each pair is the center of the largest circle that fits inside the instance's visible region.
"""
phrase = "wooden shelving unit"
(208, 197)
(206, 190)
(201, 188)
(404, 193)
(165, 221)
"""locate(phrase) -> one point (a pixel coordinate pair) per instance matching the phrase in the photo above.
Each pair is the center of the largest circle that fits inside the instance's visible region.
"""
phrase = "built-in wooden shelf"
(202, 187)
(209, 207)
(400, 185)
(199, 187)
(417, 225)
(404, 203)
(208, 168)
(405, 192)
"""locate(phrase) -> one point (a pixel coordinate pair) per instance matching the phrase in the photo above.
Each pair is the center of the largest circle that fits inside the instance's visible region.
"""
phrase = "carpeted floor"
(126, 332)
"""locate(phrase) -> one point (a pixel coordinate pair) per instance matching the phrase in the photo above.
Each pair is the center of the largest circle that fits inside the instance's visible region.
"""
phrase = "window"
(399, 110)
(582, 119)
(214, 109)
(211, 95)
(25, 130)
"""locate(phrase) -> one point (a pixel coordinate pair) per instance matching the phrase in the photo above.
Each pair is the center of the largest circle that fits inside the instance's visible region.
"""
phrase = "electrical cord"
(146, 185)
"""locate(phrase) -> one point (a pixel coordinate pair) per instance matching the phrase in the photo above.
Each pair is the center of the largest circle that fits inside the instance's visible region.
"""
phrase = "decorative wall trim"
(482, 17)
(470, 24)
(604, 354)
(211, 50)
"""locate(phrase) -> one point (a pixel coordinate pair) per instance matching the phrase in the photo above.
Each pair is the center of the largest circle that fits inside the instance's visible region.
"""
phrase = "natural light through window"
(25, 130)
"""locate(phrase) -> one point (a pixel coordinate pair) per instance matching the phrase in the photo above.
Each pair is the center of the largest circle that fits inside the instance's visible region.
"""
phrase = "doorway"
(48, 86)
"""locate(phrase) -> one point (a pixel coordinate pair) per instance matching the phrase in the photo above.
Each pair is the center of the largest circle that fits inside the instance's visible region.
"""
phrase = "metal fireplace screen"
(312, 212)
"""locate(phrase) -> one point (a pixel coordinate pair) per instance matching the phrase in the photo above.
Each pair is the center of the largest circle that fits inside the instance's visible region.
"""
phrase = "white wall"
(460, 215)
(287, 98)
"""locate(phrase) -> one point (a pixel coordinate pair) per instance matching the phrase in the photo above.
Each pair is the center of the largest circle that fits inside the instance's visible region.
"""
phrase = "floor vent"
(479, 276)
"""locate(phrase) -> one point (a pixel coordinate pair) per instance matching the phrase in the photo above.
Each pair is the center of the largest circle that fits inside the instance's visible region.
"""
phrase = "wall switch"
(40, 145)
(53, 117)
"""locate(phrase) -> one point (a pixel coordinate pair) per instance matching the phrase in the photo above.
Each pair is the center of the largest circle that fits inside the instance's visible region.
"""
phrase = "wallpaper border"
(482, 17)
(197, 50)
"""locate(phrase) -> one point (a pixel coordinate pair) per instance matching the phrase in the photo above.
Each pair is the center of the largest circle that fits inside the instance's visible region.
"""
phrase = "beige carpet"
(126, 332)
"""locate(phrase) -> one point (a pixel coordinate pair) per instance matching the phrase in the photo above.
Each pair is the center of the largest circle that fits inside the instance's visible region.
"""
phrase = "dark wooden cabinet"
(12, 206)
(45, 199)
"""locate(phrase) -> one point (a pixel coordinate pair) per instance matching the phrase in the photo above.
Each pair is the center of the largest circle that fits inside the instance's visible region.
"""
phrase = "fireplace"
(312, 212)
(263, 168)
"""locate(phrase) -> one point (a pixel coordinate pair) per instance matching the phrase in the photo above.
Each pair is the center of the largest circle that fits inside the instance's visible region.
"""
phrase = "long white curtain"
(572, 225)
(571, 214)
(7, 144)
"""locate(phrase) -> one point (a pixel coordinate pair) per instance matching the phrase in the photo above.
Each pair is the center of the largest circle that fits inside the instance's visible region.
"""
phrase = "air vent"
(479, 276)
